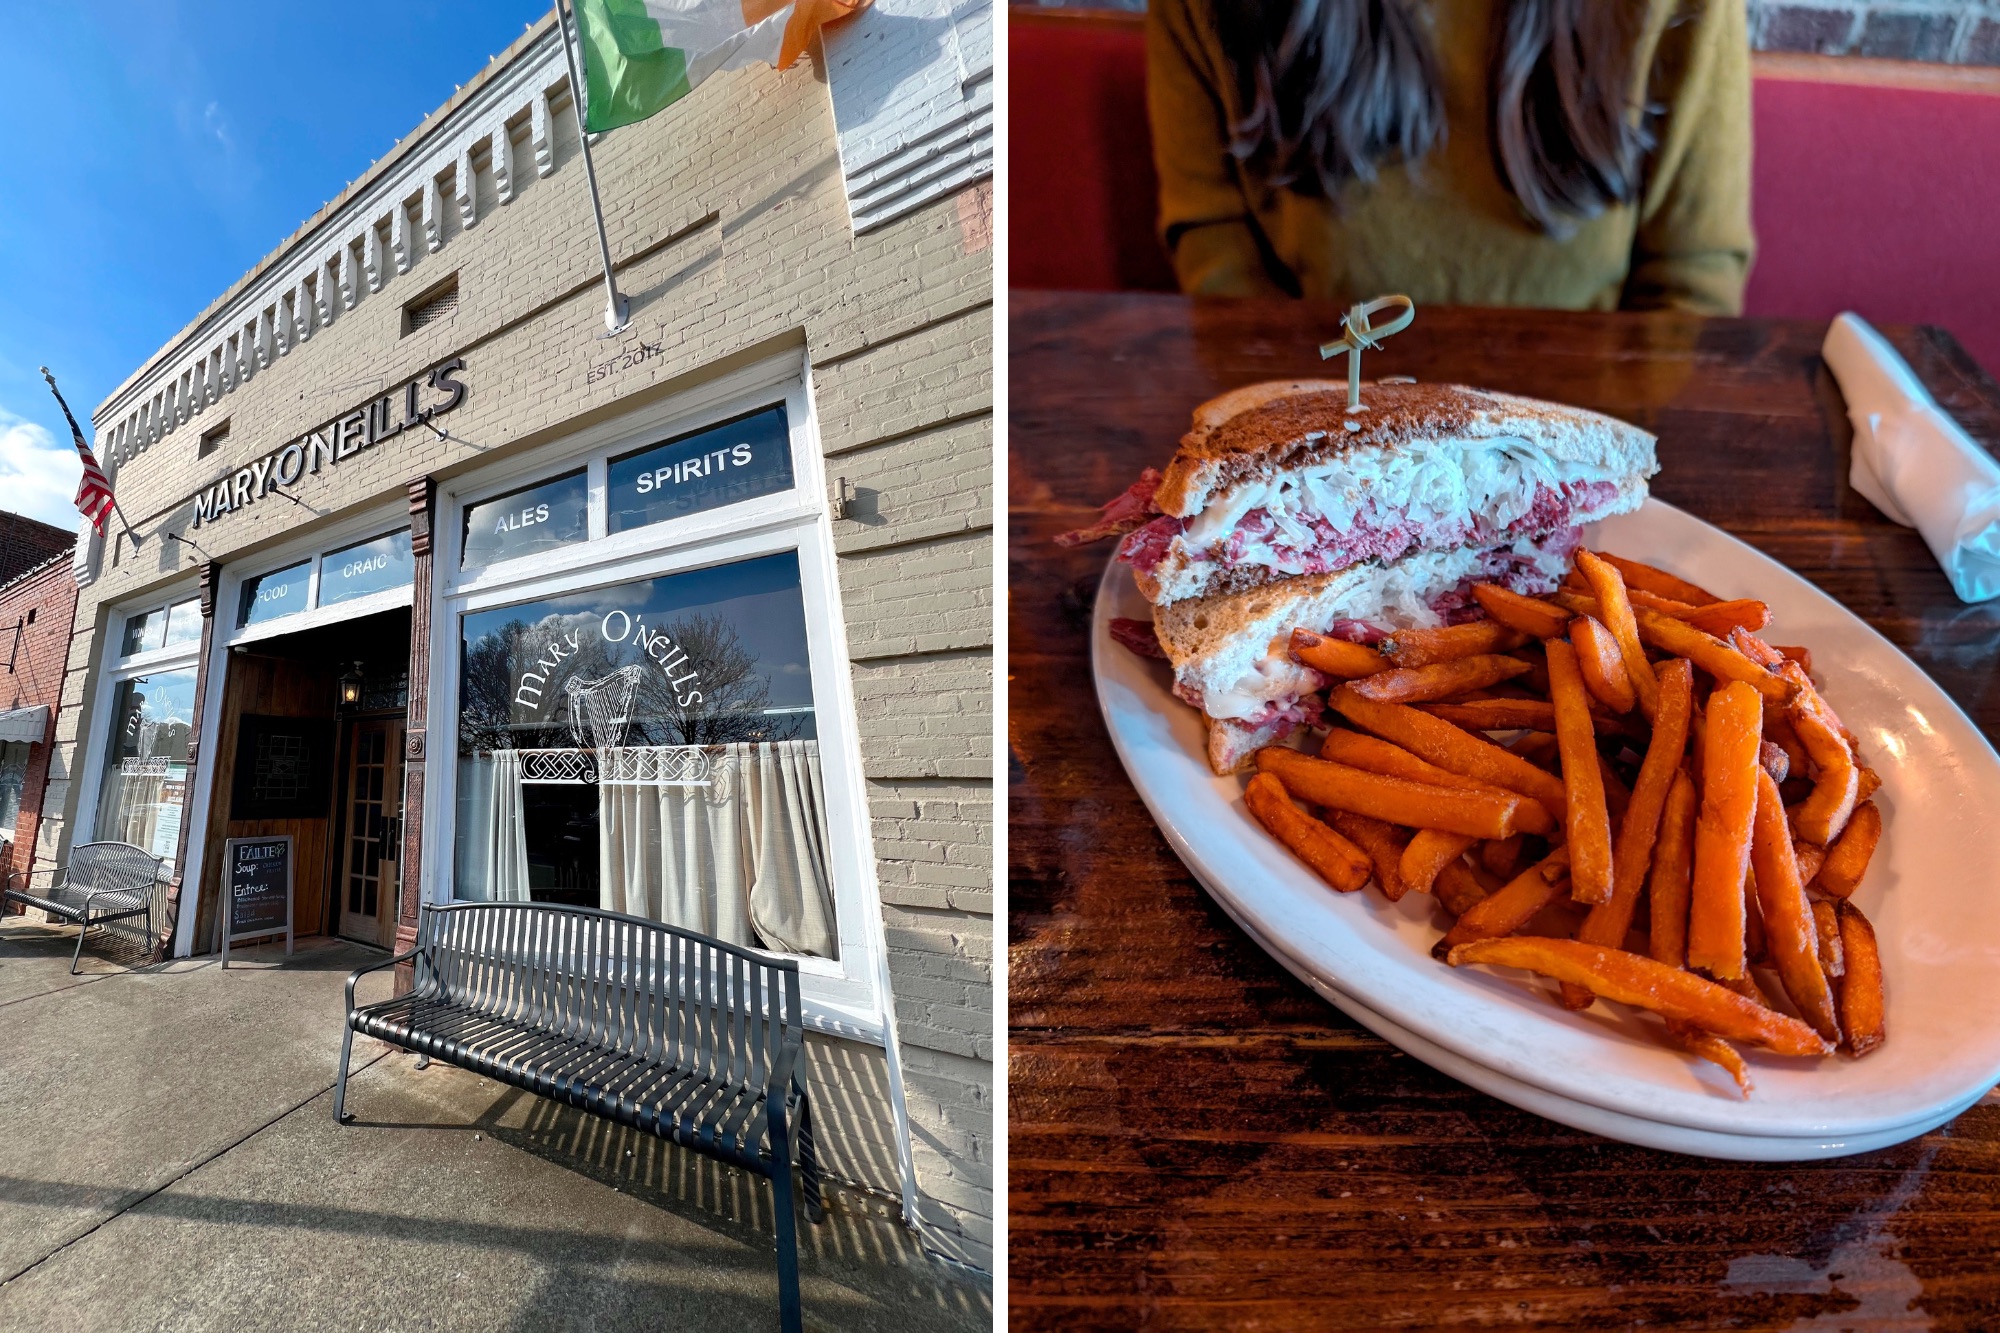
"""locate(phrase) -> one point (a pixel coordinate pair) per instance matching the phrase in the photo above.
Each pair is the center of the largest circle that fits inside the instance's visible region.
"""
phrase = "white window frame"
(844, 996)
(114, 669)
(314, 548)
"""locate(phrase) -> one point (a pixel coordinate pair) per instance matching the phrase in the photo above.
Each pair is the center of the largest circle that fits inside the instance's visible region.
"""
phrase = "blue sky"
(157, 149)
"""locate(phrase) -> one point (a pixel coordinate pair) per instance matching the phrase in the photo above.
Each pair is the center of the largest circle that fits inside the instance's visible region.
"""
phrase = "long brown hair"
(1334, 88)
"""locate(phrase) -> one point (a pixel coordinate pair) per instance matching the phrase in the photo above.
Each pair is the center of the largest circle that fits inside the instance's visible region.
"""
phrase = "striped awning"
(25, 724)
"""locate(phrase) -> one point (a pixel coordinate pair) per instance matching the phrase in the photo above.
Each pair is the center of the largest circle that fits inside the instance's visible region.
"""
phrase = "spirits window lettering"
(737, 460)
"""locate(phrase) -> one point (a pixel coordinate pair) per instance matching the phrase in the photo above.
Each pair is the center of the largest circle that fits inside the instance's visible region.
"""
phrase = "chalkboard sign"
(257, 890)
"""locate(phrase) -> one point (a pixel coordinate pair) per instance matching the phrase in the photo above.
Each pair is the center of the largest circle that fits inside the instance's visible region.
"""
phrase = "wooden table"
(1199, 1142)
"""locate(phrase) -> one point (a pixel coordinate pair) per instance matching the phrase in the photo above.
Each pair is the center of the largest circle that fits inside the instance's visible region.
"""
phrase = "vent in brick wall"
(440, 302)
(213, 439)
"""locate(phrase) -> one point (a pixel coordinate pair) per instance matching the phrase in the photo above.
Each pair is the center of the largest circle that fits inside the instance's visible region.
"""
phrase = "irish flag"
(642, 55)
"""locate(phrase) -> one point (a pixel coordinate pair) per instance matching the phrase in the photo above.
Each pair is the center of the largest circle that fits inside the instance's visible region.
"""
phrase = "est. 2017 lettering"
(708, 464)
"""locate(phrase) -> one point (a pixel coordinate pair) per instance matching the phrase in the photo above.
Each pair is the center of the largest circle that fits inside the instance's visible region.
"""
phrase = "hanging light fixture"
(350, 686)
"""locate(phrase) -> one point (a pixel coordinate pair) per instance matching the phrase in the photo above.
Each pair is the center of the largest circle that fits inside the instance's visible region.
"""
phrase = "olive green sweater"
(1445, 229)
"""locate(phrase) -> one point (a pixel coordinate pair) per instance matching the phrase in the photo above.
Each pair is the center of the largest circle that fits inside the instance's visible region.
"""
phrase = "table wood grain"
(1196, 1140)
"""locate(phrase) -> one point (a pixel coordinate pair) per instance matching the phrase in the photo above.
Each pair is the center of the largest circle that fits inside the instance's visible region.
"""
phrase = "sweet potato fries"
(1619, 786)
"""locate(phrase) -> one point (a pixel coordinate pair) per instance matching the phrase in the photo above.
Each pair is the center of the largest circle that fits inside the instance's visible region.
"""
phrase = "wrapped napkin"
(1913, 462)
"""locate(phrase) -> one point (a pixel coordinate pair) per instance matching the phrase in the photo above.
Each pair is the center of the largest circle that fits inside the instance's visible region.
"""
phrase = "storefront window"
(161, 627)
(145, 768)
(738, 460)
(13, 776)
(535, 518)
(365, 567)
(282, 592)
(650, 748)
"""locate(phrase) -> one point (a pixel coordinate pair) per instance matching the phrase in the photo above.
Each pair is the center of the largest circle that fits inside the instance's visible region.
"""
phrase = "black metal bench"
(648, 1025)
(104, 881)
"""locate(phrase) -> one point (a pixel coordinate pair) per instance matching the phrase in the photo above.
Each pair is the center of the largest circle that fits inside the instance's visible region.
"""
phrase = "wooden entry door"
(372, 830)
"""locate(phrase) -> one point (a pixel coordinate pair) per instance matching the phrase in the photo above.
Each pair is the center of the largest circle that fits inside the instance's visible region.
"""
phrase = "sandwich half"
(1280, 479)
(1282, 510)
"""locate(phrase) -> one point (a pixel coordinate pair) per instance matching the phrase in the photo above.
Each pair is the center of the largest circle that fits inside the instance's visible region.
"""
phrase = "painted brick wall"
(35, 657)
(1960, 32)
(731, 213)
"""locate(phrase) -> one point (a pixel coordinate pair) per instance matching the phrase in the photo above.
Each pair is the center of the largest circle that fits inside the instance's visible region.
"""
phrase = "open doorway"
(310, 745)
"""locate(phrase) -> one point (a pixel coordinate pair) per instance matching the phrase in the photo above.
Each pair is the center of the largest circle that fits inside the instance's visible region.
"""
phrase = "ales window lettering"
(534, 518)
(737, 460)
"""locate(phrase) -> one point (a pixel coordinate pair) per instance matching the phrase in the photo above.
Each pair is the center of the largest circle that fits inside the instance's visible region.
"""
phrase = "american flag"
(93, 492)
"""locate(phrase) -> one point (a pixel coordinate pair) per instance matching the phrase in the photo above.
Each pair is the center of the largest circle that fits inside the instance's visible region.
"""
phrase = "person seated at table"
(1578, 154)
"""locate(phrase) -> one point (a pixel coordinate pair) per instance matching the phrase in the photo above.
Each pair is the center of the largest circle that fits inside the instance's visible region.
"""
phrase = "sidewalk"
(168, 1159)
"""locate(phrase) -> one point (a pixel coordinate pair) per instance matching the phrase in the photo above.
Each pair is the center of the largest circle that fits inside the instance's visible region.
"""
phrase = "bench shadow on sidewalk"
(573, 1292)
(112, 950)
(861, 1227)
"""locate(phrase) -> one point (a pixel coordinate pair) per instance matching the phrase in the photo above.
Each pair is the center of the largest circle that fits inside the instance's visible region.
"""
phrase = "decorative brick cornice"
(334, 263)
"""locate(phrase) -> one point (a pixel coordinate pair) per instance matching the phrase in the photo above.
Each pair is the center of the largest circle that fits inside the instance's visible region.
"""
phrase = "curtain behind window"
(492, 843)
(743, 859)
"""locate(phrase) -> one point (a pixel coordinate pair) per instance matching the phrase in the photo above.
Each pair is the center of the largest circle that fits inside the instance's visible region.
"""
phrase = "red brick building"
(26, 543)
(37, 606)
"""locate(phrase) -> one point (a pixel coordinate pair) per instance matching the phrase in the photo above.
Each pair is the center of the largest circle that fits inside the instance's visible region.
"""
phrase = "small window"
(212, 439)
(535, 518)
(183, 621)
(144, 632)
(31, 615)
(440, 302)
(13, 777)
(279, 593)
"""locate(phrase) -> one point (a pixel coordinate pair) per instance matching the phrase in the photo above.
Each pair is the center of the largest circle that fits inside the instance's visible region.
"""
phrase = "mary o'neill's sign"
(366, 426)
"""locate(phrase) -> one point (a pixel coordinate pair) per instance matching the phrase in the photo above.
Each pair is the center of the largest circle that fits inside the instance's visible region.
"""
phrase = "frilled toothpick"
(1357, 333)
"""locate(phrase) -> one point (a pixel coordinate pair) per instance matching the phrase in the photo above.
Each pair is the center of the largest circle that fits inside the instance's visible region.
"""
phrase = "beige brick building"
(420, 544)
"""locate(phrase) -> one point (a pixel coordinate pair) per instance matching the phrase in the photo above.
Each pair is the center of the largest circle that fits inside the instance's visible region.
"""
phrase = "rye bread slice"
(1262, 429)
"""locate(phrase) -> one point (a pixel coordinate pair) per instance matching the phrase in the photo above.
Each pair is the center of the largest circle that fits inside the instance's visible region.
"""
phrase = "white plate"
(1933, 893)
(1629, 1129)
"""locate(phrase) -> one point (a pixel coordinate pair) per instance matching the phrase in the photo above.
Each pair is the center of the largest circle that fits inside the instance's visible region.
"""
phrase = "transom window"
(534, 518)
(737, 460)
(744, 458)
(161, 627)
(357, 569)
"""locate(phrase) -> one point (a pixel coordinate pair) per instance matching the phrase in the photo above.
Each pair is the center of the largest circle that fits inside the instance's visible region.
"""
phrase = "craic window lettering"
(364, 427)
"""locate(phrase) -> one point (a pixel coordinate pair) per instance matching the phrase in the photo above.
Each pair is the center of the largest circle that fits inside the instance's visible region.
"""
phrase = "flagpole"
(76, 432)
(617, 310)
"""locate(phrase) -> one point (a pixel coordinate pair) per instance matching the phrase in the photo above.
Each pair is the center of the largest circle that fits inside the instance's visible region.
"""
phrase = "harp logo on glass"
(532, 690)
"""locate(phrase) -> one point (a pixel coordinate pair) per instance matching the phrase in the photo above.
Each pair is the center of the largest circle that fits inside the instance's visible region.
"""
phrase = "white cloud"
(218, 125)
(38, 473)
